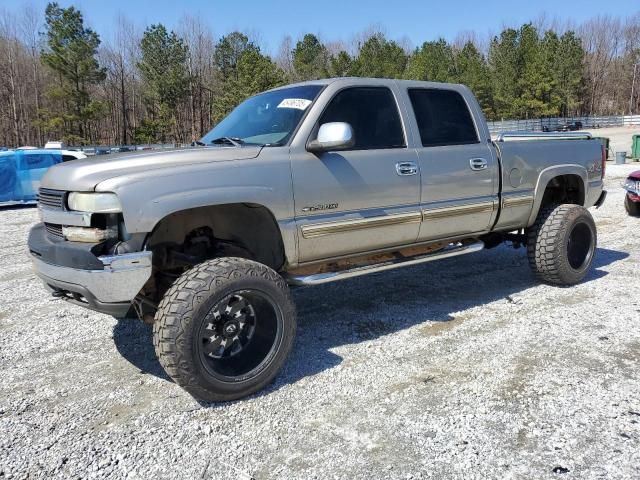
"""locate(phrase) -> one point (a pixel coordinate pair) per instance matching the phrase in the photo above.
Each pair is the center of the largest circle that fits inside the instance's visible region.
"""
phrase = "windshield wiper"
(235, 141)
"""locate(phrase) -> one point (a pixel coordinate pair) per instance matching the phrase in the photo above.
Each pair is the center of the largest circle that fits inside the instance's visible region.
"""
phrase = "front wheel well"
(188, 237)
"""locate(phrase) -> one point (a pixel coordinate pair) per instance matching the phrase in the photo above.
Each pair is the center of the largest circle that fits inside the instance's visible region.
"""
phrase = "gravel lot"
(464, 368)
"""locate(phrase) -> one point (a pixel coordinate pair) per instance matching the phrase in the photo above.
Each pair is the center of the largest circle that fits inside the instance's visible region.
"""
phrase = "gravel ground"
(464, 368)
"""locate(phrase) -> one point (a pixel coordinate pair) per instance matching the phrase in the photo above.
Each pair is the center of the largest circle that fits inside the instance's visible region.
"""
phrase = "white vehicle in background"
(56, 145)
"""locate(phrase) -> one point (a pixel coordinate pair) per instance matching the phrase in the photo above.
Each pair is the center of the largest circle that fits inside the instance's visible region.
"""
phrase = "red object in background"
(634, 176)
(632, 200)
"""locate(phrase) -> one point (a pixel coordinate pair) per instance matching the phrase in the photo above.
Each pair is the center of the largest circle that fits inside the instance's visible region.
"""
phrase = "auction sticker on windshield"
(299, 103)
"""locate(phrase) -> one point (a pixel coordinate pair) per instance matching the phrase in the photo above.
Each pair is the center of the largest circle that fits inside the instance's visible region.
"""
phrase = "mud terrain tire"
(561, 244)
(224, 328)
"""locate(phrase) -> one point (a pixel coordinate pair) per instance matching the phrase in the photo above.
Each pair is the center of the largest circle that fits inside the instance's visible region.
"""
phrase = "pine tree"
(164, 71)
(535, 75)
(505, 69)
(310, 59)
(433, 61)
(71, 53)
(227, 54)
(380, 58)
(341, 65)
(249, 72)
(471, 69)
(569, 73)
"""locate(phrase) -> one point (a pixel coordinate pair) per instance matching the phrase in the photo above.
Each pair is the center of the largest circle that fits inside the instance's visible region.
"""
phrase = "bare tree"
(199, 40)
(30, 35)
(10, 51)
(284, 58)
(601, 39)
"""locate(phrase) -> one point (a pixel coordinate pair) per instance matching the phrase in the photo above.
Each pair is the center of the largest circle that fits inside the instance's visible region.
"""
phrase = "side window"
(34, 161)
(372, 113)
(443, 117)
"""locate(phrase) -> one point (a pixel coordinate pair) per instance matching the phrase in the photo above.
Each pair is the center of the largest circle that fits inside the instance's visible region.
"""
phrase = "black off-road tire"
(186, 310)
(632, 208)
(561, 244)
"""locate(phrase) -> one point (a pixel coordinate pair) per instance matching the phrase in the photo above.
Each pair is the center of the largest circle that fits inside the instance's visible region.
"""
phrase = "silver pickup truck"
(301, 185)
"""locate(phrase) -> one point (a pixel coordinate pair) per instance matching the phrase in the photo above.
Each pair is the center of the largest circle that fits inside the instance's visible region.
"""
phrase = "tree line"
(60, 80)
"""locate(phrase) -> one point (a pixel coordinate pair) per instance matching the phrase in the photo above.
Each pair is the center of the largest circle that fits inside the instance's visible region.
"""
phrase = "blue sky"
(271, 20)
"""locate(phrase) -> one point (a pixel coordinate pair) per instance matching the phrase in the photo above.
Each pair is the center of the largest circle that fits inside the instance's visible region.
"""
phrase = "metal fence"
(107, 149)
(540, 124)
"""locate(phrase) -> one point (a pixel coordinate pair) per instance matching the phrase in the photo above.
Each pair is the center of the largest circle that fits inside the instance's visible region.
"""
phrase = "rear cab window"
(373, 114)
(443, 117)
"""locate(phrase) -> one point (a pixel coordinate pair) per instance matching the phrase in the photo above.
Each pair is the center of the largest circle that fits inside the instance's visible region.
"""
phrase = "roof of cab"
(371, 81)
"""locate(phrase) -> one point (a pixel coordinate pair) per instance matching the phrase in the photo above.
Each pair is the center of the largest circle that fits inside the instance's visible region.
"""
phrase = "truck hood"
(83, 175)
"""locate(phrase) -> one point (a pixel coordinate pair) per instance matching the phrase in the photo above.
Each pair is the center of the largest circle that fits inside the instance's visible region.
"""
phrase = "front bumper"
(106, 283)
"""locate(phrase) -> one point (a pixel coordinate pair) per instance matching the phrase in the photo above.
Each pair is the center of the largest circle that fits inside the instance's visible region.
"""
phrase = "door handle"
(406, 168)
(478, 164)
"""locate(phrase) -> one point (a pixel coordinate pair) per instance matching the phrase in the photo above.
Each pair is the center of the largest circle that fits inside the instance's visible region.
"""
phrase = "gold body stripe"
(521, 201)
(329, 228)
(437, 213)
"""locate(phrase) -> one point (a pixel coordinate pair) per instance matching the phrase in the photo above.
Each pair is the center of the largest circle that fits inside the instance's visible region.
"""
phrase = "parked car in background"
(632, 198)
(21, 171)
(570, 127)
(124, 148)
(56, 145)
(103, 150)
(564, 127)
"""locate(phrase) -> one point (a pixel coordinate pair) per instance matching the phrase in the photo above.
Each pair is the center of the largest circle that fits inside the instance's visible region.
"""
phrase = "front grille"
(51, 198)
(54, 231)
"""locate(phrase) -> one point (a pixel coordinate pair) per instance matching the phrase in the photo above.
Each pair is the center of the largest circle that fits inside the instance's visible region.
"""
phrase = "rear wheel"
(632, 208)
(224, 328)
(561, 244)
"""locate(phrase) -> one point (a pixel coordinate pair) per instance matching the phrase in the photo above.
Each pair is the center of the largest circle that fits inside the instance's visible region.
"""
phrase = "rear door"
(459, 171)
(364, 198)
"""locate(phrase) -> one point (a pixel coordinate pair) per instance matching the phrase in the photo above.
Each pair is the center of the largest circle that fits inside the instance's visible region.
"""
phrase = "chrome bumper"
(120, 280)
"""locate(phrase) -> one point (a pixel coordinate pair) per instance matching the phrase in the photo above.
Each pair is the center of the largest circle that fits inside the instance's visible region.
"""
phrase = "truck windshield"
(266, 119)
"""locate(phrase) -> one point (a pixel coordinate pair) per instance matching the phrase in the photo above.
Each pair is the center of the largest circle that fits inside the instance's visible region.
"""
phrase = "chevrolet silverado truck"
(301, 185)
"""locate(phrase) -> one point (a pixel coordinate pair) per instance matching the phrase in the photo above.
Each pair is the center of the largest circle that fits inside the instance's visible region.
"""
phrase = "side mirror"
(332, 136)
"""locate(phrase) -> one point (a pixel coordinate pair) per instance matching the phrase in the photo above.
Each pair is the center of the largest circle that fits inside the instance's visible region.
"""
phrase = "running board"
(451, 251)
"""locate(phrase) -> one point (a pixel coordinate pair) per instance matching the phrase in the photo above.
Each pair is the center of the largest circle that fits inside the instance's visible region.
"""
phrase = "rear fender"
(549, 174)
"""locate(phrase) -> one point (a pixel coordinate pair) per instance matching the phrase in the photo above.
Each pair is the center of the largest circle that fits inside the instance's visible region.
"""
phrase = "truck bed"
(529, 161)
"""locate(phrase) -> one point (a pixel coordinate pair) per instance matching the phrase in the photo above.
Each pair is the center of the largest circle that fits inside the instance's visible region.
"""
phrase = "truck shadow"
(365, 308)
(18, 206)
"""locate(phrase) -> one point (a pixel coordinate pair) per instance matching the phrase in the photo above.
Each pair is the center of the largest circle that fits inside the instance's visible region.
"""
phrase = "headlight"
(632, 186)
(94, 202)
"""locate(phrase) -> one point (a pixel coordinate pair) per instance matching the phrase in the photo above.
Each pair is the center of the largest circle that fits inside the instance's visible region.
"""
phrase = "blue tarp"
(21, 172)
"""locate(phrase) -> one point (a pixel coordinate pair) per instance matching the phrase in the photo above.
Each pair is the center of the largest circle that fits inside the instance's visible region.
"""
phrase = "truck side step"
(451, 250)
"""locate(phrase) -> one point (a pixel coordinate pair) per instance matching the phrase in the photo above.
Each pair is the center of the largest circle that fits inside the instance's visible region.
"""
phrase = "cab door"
(360, 199)
(459, 170)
